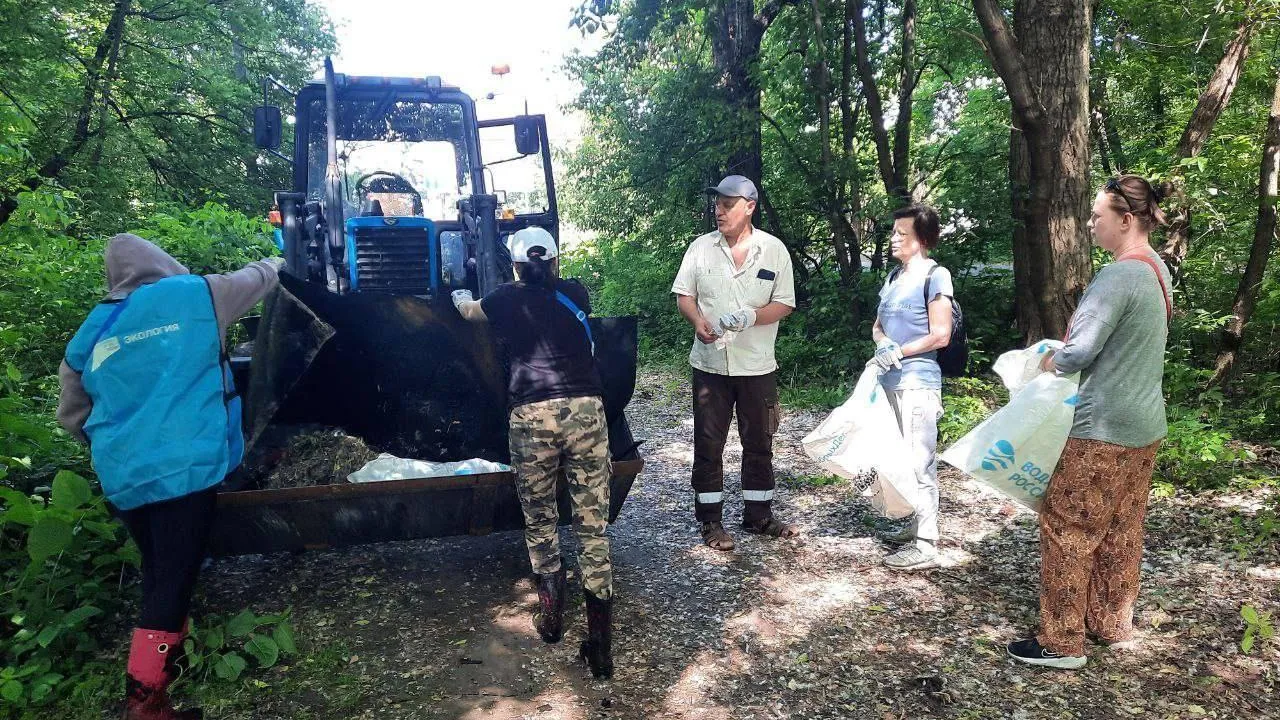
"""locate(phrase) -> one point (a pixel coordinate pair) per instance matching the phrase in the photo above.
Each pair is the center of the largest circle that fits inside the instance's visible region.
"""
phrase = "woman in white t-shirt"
(909, 330)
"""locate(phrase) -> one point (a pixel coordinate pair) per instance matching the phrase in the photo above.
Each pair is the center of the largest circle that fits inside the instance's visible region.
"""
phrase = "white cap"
(526, 240)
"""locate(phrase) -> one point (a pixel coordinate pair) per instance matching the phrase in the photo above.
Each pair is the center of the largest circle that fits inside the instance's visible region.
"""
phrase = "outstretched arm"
(468, 308)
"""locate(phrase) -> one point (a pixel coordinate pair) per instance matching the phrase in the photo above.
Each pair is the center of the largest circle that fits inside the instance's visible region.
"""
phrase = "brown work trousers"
(1091, 543)
(715, 398)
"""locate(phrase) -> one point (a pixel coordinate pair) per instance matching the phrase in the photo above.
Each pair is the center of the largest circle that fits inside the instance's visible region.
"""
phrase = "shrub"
(61, 565)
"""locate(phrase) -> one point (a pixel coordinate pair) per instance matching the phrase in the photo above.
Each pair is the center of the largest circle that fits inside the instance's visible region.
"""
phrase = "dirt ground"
(806, 628)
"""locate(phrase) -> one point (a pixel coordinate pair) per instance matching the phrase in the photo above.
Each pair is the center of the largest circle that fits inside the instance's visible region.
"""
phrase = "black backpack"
(954, 358)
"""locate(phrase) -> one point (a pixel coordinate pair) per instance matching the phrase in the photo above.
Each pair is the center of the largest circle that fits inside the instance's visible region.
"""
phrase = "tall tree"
(1264, 233)
(835, 186)
(60, 156)
(1213, 100)
(1105, 134)
(735, 43)
(1045, 69)
(892, 156)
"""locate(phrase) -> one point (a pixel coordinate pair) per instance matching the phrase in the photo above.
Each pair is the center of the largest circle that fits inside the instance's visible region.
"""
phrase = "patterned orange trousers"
(1091, 543)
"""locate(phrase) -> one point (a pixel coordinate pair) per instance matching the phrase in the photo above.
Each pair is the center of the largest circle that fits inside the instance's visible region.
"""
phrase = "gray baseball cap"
(736, 186)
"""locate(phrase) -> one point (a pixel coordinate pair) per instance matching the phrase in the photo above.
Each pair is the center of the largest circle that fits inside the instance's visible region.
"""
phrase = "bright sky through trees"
(461, 41)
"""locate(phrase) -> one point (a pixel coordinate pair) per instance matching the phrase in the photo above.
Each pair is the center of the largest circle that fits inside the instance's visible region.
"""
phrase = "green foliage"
(208, 239)
(168, 116)
(51, 281)
(966, 403)
(1257, 626)
(1205, 448)
(1255, 534)
(1198, 454)
(61, 559)
(62, 556)
(222, 647)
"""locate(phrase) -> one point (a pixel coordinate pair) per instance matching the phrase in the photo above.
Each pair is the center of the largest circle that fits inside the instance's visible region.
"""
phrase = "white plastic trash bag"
(862, 437)
(1016, 368)
(1016, 449)
(390, 467)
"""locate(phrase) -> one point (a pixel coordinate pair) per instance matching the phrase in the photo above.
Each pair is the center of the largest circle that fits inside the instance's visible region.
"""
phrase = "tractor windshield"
(396, 156)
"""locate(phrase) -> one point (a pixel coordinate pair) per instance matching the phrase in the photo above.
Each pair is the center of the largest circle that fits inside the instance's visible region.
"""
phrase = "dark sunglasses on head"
(1113, 186)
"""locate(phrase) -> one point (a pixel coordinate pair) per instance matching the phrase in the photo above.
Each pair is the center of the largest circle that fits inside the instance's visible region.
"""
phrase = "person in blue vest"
(146, 383)
(557, 411)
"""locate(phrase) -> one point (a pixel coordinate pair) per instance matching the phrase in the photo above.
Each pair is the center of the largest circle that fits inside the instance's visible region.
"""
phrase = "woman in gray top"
(913, 322)
(1091, 520)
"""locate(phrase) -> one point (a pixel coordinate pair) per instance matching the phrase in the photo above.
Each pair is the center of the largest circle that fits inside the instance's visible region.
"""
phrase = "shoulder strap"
(582, 317)
(1164, 291)
(927, 278)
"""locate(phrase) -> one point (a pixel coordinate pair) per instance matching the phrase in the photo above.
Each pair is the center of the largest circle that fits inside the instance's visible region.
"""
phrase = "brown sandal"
(771, 527)
(714, 535)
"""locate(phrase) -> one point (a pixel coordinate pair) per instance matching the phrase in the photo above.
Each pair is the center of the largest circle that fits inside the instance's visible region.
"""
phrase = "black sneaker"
(1032, 653)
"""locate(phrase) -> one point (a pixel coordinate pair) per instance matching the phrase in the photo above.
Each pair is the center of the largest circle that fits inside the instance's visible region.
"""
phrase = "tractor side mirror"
(267, 127)
(528, 142)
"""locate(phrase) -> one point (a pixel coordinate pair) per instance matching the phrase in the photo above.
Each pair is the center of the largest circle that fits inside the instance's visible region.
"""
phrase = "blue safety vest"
(166, 419)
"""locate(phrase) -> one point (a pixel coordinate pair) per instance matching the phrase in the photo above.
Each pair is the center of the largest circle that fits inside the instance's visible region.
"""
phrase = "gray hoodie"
(133, 262)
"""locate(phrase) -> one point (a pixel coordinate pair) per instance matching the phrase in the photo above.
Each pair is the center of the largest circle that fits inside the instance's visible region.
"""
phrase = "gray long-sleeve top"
(132, 262)
(1117, 344)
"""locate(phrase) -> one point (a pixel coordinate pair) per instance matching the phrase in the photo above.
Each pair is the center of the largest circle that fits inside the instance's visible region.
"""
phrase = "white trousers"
(918, 413)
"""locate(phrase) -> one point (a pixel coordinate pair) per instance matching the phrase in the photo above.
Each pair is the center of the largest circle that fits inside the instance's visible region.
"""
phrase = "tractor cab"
(406, 192)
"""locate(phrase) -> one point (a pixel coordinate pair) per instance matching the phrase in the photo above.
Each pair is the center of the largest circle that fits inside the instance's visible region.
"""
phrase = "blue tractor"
(393, 206)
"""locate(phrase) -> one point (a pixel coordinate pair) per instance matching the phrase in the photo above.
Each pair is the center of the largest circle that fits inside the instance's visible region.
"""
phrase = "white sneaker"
(916, 556)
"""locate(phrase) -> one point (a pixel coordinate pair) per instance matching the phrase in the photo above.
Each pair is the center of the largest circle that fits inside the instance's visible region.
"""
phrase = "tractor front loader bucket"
(409, 377)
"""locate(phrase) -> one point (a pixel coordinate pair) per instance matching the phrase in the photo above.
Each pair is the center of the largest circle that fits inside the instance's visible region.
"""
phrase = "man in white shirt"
(733, 287)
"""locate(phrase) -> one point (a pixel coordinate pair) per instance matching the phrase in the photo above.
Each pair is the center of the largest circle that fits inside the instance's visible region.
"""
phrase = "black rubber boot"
(597, 649)
(550, 619)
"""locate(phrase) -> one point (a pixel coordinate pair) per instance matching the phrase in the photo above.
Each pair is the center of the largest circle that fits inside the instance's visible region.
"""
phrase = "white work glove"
(275, 261)
(888, 355)
(461, 296)
(736, 321)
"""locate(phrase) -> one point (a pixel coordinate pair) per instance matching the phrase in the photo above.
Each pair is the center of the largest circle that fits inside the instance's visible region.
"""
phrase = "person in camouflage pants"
(557, 421)
(541, 433)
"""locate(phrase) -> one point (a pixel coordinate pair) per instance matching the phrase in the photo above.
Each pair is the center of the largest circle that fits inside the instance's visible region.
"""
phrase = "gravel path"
(805, 628)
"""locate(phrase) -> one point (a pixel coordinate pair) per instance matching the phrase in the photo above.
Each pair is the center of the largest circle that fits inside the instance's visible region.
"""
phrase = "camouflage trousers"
(541, 434)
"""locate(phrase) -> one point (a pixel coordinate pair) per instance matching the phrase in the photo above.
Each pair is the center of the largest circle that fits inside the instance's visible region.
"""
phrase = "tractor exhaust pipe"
(333, 182)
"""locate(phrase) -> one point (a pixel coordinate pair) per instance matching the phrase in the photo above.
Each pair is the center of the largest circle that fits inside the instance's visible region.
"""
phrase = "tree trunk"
(1106, 137)
(736, 49)
(850, 192)
(737, 31)
(1212, 102)
(1026, 307)
(1263, 234)
(892, 158)
(113, 58)
(906, 93)
(843, 237)
(53, 166)
(830, 190)
(1045, 69)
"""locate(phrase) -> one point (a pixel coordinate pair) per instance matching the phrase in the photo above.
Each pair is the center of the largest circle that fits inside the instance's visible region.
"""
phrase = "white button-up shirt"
(709, 275)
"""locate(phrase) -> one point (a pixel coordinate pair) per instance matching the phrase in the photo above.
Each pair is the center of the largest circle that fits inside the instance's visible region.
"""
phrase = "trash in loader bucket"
(407, 376)
(337, 380)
